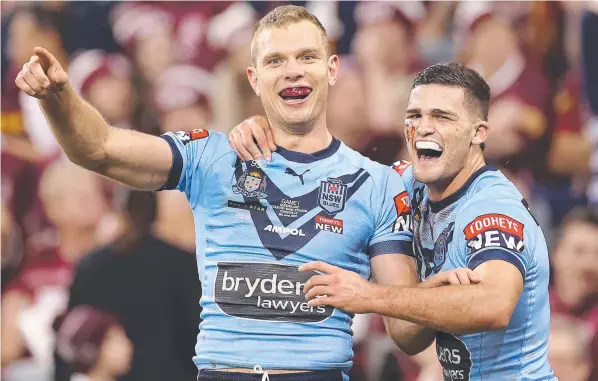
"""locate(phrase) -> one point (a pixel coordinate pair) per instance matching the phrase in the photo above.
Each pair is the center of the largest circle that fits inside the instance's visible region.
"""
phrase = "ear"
(252, 77)
(333, 68)
(480, 133)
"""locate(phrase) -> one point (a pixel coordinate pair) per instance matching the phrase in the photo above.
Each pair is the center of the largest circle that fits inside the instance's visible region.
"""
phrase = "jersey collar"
(437, 206)
(300, 157)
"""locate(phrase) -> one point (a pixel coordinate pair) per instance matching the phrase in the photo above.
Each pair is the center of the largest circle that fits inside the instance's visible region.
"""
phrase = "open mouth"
(428, 150)
(295, 94)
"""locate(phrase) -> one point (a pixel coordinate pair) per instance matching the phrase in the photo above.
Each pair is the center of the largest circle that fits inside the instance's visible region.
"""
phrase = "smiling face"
(443, 133)
(291, 73)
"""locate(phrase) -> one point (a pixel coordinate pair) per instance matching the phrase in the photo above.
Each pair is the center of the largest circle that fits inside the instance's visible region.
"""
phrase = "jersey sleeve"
(405, 170)
(497, 231)
(193, 152)
(393, 229)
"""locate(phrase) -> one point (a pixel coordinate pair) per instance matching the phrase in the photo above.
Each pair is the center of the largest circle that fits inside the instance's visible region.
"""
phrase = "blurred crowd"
(100, 282)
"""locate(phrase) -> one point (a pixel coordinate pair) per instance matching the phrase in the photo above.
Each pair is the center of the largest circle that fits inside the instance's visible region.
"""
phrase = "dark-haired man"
(463, 213)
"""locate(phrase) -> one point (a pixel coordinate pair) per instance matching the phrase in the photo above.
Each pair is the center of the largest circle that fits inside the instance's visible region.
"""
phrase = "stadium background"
(71, 238)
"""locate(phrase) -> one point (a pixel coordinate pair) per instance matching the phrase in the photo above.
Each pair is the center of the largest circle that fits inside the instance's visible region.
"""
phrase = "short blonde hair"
(283, 16)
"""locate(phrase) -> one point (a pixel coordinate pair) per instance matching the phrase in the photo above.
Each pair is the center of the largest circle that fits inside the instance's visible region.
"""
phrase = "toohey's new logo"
(265, 291)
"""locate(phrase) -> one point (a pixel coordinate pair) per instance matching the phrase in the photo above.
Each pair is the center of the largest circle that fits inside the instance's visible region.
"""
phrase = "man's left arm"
(459, 309)
(401, 271)
(493, 238)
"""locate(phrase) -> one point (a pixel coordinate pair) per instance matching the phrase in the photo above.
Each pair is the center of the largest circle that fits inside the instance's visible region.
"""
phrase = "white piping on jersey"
(258, 369)
(489, 248)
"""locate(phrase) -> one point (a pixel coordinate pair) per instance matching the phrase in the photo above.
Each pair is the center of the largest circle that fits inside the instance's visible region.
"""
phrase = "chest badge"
(332, 195)
(252, 184)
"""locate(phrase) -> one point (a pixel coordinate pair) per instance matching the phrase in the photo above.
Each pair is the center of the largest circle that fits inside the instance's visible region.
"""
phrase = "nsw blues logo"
(252, 184)
(332, 195)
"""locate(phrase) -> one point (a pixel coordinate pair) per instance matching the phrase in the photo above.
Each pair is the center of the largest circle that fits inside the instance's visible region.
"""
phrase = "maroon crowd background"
(170, 66)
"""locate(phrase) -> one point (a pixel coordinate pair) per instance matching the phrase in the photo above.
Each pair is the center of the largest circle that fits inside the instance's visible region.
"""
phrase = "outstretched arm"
(139, 160)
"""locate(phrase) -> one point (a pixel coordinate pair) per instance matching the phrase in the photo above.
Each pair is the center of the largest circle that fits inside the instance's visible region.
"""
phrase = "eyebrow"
(435, 111)
(305, 51)
(301, 52)
(270, 56)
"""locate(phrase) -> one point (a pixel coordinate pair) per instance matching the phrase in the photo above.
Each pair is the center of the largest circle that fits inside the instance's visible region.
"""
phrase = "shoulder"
(494, 202)
(199, 136)
(404, 169)
(494, 190)
(201, 146)
(380, 173)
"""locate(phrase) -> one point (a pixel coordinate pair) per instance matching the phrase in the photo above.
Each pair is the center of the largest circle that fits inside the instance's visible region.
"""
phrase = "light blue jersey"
(256, 222)
(487, 219)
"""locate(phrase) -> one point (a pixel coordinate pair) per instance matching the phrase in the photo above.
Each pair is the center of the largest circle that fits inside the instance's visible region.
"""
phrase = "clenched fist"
(42, 75)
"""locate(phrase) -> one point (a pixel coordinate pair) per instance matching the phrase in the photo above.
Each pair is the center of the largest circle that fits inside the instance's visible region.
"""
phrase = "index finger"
(319, 266)
(262, 142)
(270, 138)
(473, 276)
(249, 143)
(45, 57)
(239, 147)
(316, 280)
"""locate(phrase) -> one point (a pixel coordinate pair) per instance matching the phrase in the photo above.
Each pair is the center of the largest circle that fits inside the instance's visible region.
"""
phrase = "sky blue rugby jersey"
(487, 219)
(256, 222)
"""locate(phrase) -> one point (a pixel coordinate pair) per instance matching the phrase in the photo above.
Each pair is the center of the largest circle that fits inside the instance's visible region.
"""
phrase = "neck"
(76, 242)
(307, 139)
(441, 191)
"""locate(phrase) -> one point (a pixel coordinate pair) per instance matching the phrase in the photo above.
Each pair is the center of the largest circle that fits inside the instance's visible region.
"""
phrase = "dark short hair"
(477, 91)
